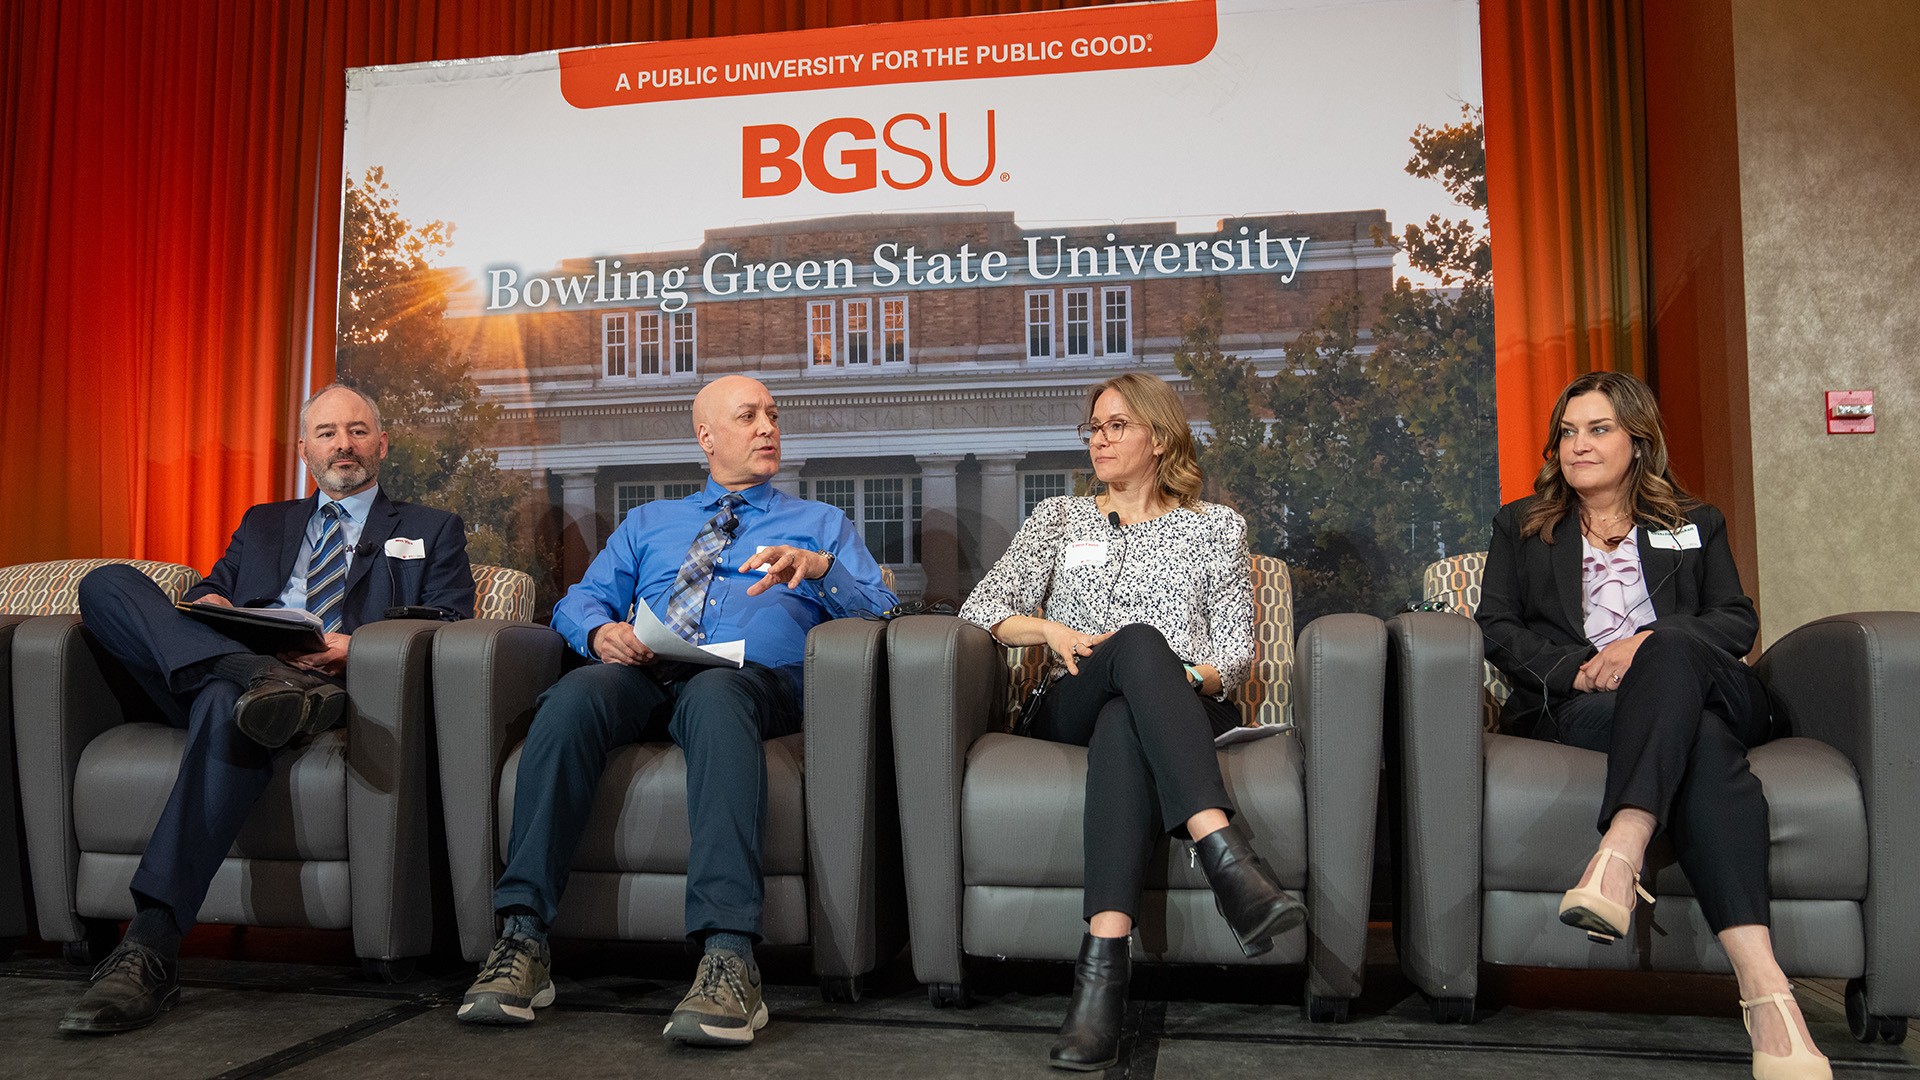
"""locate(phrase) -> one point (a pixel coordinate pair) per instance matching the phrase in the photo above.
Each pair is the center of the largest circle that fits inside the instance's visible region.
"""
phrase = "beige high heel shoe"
(1802, 1063)
(1586, 907)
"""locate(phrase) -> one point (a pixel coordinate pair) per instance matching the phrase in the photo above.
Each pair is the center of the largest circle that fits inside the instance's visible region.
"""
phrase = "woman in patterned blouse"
(1149, 615)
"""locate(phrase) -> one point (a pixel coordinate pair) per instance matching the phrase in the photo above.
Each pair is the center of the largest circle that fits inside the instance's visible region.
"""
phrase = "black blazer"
(1530, 613)
(260, 559)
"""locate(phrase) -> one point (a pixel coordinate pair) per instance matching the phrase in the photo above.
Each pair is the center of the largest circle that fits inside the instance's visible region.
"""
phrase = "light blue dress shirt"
(356, 508)
(643, 556)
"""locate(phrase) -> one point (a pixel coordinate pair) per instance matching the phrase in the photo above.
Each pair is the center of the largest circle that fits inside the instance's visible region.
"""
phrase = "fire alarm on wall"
(1849, 412)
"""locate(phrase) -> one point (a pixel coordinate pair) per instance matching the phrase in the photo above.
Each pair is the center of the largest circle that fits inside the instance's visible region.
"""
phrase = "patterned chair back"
(500, 592)
(53, 588)
(1455, 581)
(1266, 698)
(1263, 699)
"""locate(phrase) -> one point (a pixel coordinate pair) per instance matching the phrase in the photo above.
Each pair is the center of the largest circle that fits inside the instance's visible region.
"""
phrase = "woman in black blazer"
(1612, 604)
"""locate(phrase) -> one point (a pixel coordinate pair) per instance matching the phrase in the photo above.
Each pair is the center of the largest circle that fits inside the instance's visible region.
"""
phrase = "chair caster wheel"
(1325, 1010)
(99, 936)
(389, 971)
(1867, 1027)
(840, 989)
(1453, 1010)
(941, 995)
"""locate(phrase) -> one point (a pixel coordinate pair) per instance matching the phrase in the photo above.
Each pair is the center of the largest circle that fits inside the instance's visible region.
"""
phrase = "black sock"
(154, 926)
(243, 668)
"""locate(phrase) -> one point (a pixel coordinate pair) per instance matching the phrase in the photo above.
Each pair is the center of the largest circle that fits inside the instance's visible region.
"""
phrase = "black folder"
(264, 630)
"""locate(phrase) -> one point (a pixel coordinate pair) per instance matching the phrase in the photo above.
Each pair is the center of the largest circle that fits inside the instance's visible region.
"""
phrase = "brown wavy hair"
(1152, 401)
(1655, 497)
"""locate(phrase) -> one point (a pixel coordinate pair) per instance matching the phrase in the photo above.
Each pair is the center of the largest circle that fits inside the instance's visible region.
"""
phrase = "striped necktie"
(696, 573)
(327, 573)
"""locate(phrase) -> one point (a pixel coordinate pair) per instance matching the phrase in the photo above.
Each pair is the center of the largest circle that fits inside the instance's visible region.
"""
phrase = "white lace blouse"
(1185, 573)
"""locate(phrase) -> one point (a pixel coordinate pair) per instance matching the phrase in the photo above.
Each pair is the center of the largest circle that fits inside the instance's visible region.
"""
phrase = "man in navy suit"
(346, 554)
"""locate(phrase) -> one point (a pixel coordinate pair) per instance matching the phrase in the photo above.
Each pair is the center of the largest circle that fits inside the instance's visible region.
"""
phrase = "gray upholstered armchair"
(29, 590)
(1493, 828)
(832, 872)
(339, 840)
(992, 821)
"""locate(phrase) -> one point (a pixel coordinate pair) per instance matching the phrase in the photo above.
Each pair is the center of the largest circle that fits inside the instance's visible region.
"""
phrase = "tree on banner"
(392, 343)
(1359, 466)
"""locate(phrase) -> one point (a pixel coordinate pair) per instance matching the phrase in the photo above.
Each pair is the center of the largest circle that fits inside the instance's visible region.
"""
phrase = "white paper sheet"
(1234, 736)
(668, 645)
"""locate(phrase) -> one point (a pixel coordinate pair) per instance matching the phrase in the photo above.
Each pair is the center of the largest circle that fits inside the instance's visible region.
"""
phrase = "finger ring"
(1616, 678)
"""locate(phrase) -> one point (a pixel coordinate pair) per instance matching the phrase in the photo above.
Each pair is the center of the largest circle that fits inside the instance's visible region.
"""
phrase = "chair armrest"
(66, 691)
(390, 857)
(1852, 681)
(15, 910)
(947, 681)
(488, 675)
(1340, 670)
(1435, 780)
(856, 891)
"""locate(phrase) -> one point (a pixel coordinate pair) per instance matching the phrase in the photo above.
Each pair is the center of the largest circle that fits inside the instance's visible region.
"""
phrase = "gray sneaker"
(513, 982)
(723, 1008)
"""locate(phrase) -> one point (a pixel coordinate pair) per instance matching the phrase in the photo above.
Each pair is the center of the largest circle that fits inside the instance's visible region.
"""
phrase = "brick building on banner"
(936, 412)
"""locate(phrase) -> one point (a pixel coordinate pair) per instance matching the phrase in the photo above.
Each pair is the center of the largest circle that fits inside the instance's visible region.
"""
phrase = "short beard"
(324, 477)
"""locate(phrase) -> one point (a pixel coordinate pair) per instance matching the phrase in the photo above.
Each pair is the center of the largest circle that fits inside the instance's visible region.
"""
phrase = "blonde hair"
(1152, 402)
(1653, 495)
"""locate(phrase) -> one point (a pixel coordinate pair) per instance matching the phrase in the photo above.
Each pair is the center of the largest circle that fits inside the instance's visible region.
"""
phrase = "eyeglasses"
(1114, 430)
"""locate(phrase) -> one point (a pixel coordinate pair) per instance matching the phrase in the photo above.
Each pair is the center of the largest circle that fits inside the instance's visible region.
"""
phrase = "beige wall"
(1828, 100)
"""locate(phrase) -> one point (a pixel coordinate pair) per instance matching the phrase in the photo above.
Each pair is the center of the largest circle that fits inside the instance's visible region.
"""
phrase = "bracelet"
(1193, 677)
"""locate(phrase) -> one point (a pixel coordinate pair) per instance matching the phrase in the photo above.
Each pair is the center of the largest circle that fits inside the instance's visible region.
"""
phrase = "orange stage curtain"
(1566, 197)
(170, 232)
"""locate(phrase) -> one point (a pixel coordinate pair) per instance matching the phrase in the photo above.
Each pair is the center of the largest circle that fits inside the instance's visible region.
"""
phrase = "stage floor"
(293, 1003)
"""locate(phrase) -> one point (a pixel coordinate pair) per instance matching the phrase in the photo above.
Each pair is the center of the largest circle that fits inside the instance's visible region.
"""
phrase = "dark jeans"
(1676, 735)
(1150, 757)
(222, 772)
(718, 716)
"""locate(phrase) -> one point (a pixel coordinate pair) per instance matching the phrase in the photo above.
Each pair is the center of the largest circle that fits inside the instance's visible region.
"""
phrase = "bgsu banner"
(927, 238)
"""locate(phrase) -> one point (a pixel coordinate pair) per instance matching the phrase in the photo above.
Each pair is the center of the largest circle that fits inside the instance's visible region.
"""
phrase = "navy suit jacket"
(1530, 610)
(261, 555)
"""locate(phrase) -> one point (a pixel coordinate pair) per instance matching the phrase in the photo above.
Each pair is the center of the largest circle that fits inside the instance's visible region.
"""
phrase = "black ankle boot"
(1090, 1039)
(1245, 891)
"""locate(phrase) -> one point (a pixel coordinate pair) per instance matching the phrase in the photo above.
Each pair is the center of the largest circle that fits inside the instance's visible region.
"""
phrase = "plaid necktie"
(696, 573)
(327, 573)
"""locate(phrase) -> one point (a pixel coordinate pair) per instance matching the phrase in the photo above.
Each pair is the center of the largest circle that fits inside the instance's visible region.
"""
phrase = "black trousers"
(1150, 757)
(222, 772)
(718, 717)
(1676, 735)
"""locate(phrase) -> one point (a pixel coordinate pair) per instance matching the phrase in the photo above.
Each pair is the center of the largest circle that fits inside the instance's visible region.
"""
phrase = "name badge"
(402, 548)
(1678, 540)
(1086, 553)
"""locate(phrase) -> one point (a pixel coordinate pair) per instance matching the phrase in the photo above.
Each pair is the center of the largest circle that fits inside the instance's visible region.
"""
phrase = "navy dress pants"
(1150, 757)
(718, 716)
(222, 772)
(1676, 736)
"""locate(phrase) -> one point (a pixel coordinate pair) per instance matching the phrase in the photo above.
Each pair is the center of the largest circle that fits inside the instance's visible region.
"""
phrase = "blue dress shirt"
(643, 557)
(353, 518)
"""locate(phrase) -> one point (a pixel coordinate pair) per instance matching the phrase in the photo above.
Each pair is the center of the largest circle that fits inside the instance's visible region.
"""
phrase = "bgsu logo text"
(845, 154)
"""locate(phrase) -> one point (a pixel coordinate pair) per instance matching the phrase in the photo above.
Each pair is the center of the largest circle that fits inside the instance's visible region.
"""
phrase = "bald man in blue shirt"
(737, 560)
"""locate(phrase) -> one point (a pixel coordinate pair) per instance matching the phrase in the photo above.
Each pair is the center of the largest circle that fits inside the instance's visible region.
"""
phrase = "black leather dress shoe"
(131, 988)
(279, 705)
